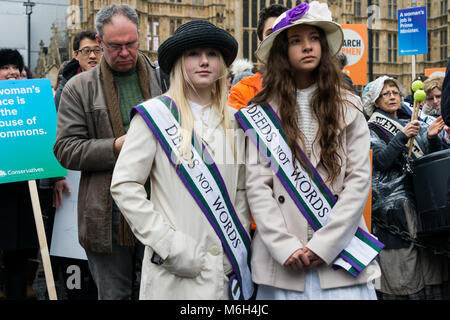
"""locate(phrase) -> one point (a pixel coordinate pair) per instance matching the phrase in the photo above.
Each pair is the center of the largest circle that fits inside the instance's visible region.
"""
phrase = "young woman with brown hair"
(308, 195)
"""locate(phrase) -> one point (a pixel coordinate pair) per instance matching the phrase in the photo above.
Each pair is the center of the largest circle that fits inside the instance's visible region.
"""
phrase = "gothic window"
(444, 7)
(246, 12)
(172, 26)
(153, 34)
(246, 45)
(444, 41)
(376, 47)
(254, 45)
(392, 9)
(392, 47)
(357, 8)
(254, 13)
(81, 11)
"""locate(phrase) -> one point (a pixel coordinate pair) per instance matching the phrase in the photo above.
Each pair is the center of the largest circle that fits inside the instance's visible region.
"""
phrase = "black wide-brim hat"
(196, 34)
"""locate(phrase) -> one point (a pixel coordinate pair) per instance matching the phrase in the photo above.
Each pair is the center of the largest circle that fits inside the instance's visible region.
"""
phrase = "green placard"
(27, 131)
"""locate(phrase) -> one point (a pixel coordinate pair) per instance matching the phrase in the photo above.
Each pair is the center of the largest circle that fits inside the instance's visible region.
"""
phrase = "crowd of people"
(205, 178)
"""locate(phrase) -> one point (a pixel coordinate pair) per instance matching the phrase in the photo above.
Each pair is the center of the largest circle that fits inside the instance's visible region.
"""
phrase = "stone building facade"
(160, 18)
(381, 16)
(50, 57)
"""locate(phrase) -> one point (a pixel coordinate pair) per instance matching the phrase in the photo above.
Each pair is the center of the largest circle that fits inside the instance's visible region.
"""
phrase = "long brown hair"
(327, 103)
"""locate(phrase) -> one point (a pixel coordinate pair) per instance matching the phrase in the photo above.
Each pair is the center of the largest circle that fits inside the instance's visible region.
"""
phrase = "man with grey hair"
(93, 119)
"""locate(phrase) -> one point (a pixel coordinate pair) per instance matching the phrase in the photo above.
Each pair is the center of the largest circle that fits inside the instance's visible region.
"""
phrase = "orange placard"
(368, 208)
(435, 72)
(355, 47)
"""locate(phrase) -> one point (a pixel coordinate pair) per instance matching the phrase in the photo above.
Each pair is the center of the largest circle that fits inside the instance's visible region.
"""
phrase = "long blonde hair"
(178, 91)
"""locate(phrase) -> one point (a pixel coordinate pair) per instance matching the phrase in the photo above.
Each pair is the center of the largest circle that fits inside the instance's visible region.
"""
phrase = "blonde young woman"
(194, 226)
(308, 202)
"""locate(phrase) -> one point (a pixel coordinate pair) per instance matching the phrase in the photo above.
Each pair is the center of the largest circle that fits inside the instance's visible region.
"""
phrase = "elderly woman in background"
(408, 272)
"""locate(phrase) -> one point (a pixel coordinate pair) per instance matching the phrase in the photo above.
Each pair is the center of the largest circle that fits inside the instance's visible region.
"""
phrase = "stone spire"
(53, 56)
(40, 68)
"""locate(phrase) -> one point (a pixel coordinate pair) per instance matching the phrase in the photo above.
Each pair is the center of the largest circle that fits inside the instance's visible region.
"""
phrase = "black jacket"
(17, 226)
(70, 70)
(445, 102)
(392, 185)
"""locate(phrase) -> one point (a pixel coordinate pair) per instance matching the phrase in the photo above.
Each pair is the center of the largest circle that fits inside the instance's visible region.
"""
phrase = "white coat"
(171, 223)
(281, 229)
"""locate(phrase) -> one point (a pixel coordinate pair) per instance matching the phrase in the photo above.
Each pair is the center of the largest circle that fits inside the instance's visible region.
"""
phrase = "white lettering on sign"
(353, 46)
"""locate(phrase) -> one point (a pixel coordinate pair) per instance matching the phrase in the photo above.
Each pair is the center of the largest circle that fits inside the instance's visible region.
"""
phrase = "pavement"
(40, 284)
(88, 290)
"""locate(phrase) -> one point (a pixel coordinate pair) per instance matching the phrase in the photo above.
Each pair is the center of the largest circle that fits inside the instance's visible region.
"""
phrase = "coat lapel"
(214, 121)
(112, 93)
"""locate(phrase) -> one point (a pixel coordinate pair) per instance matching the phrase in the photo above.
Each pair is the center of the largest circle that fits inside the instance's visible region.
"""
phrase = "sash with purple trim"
(312, 197)
(390, 126)
(206, 185)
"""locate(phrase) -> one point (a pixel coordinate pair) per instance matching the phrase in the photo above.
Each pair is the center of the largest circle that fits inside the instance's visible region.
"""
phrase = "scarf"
(126, 237)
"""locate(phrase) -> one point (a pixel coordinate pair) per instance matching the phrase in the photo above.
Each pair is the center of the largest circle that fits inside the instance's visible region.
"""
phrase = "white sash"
(310, 194)
(391, 126)
(204, 182)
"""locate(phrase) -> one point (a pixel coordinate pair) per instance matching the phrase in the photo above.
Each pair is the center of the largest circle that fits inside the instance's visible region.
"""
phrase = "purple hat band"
(292, 15)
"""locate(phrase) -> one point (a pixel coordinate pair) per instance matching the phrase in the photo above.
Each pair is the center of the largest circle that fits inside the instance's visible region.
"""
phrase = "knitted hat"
(372, 92)
(314, 14)
(196, 34)
(11, 56)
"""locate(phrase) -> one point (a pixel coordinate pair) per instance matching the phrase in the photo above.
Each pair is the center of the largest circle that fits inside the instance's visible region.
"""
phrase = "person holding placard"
(407, 271)
(18, 237)
(197, 245)
(93, 118)
(308, 190)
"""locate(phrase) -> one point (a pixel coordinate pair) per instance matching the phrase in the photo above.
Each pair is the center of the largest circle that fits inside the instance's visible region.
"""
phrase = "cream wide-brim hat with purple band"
(314, 14)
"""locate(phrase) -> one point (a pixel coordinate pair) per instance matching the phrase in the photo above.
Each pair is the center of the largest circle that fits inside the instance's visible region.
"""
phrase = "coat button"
(214, 250)
(281, 199)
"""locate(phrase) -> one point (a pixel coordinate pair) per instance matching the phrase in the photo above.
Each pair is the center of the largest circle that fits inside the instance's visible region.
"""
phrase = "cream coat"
(171, 223)
(281, 229)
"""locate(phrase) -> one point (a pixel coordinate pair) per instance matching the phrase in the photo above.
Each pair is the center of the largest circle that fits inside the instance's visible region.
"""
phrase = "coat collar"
(214, 121)
(112, 95)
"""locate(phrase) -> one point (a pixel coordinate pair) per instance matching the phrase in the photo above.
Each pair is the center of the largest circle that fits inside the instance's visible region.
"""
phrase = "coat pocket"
(186, 258)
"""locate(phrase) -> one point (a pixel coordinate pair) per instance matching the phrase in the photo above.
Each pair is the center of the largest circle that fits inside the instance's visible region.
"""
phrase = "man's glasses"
(387, 94)
(87, 51)
(115, 47)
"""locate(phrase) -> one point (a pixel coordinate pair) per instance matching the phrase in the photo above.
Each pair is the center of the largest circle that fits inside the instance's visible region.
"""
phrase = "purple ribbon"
(292, 15)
